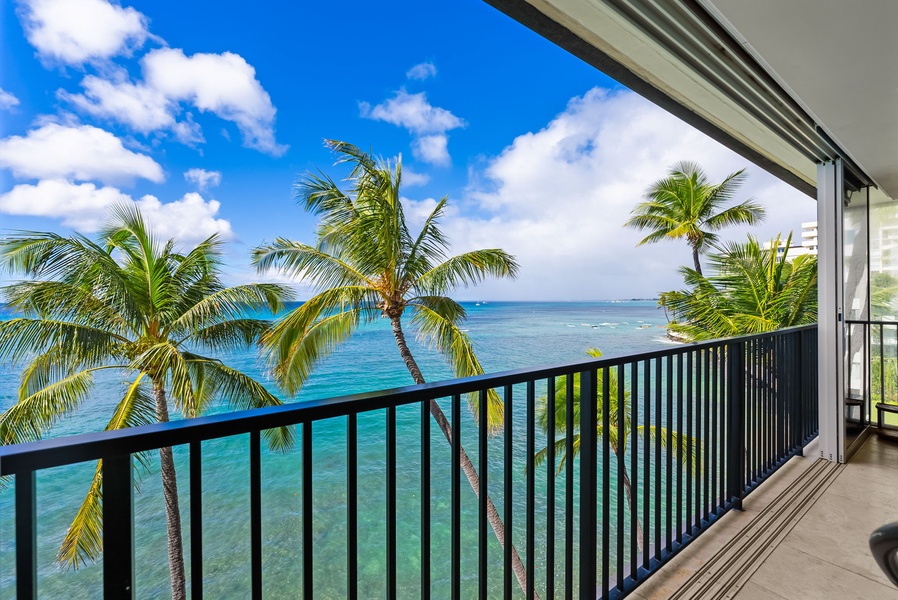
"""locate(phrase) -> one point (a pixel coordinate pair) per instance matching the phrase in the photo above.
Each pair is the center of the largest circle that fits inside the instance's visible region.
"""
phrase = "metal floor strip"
(726, 572)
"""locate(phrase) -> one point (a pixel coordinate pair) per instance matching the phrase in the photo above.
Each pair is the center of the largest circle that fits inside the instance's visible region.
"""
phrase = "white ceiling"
(837, 58)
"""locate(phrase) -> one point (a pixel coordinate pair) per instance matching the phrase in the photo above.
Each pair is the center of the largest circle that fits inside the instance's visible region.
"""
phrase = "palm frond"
(467, 269)
(299, 260)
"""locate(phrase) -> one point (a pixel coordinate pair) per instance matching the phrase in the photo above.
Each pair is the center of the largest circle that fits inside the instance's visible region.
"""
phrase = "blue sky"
(206, 113)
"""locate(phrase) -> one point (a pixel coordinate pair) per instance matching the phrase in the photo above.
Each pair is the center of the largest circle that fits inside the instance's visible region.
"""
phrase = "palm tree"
(366, 265)
(617, 439)
(686, 205)
(754, 290)
(129, 303)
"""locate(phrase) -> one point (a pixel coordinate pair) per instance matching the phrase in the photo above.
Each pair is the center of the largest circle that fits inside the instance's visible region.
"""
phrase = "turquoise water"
(506, 336)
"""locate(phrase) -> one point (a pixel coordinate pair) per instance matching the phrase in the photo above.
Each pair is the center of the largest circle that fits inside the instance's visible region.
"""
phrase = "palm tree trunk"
(492, 515)
(633, 509)
(172, 510)
(698, 265)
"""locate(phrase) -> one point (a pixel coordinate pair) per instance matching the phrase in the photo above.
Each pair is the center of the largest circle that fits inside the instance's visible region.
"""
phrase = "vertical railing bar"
(686, 444)
(196, 520)
(646, 460)
(118, 527)
(658, 392)
(696, 447)
(352, 506)
(391, 502)
(569, 488)
(670, 410)
(482, 497)
(713, 435)
(507, 491)
(678, 523)
(531, 489)
(455, 559)
(255, 511)
(588, 485)
(882, 366)
(606, 483)
(308, 554)
(425, 499)
(26, 535)
(621, 473)
(634, 464)
(550, 489)
(706, 437)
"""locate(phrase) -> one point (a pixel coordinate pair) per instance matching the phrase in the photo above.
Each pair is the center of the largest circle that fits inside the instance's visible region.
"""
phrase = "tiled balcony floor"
(803, 535)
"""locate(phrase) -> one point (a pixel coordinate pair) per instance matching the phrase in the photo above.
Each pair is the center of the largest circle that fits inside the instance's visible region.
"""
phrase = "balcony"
(669, 444)
(803, 534)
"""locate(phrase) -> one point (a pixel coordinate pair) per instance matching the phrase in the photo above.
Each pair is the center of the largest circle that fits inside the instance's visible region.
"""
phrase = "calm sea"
(507, 335)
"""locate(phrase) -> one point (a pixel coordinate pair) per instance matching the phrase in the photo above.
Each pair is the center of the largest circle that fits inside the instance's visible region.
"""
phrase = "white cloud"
(432, 149)
(84, 207)
(202, 178)
(76, 31)
(75, 152)
(413, 112)
(422, 71)
(557, 199)
(142, 108)
(224, 84)
(7, 100)
(426, 122)
(413, 178)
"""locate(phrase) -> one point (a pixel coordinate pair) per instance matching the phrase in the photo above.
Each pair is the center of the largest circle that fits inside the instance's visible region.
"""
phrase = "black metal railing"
(871, 373)
(668, 442)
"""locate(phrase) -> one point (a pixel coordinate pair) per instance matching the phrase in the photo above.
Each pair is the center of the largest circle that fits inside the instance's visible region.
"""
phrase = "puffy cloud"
(84, 207)
(432, 149)
(7, 100)
(558, 198)
(224, 84)
(422, 71)
(413, 178)
(202, 178)
(75, 152)
(413, 112)
(142, 108)
(76, 31)
(426, 122)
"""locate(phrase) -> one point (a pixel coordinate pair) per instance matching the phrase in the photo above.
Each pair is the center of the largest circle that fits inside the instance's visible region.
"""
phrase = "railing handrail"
(56, 452)
(869, 322)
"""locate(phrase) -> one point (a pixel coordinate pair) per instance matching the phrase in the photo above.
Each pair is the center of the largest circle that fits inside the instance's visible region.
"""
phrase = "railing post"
(26, 536)
(798, 413)
(118, 528)
(588, 484)
(735, 412)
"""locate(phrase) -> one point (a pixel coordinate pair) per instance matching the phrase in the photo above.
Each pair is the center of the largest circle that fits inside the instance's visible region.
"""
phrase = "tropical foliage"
(127, 303)
(617, 438)
(365, 265)
(754, 289)
(686, 205)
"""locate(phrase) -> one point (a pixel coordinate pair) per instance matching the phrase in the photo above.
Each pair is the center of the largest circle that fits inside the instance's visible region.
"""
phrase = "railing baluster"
(646, 461)
(118, 527)
(352, 506)
(531, 490)
(634, 466)
(588, 489)
(308, 554)
(658, 390)
(686, 447)
(26, 535)
(606, 487)
(621, 473)
(425, 500)
(196, 520)
(255, 511)
(706, 437)
(550, 489)
(391, 502)
(670, 452)
(569, 488)
(507, 490)
(482, 540)
(455, 559)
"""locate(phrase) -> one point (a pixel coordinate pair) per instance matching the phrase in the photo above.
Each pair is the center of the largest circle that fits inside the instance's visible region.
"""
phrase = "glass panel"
(856, 241)
(883, 305)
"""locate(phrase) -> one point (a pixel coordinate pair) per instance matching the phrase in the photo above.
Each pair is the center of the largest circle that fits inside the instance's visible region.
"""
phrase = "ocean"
(507, 335)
